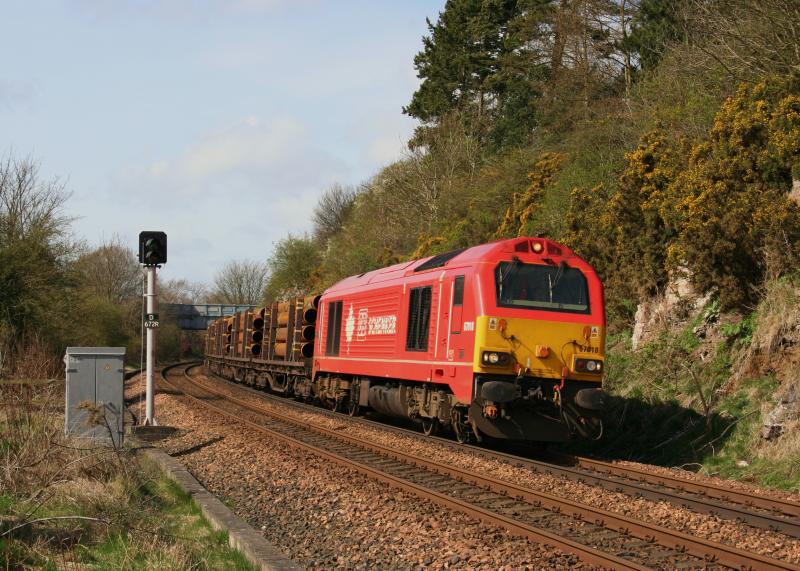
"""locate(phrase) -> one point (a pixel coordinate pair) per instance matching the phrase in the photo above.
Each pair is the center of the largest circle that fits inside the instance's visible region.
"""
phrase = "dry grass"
(68, 503)
(776, 331)
(784, 450)
(28, 357)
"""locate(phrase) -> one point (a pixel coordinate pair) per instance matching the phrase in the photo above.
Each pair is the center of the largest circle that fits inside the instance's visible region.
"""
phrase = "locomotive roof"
(457, 258)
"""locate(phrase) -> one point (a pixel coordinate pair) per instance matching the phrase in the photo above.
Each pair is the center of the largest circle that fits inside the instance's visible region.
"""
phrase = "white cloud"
(251, 157)
(230, 194)
(251, 144)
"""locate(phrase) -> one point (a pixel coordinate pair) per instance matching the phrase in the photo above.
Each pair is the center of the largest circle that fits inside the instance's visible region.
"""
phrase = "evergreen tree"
(459, 58)
(656, 25)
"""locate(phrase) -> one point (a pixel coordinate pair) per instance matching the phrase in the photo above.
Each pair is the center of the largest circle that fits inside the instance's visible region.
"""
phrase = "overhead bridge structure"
(197, 317)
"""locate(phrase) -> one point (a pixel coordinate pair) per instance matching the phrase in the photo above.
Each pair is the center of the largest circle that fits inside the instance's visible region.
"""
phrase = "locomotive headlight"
(588, 366)
(495, 358)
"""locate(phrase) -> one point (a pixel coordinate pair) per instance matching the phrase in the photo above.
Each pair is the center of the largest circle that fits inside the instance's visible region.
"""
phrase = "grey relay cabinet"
(95, 381)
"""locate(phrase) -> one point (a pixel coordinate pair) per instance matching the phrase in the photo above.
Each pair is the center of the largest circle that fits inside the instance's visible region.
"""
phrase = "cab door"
(455, 350)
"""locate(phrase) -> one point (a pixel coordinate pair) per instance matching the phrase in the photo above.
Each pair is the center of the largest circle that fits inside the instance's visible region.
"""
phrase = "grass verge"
(69, 503)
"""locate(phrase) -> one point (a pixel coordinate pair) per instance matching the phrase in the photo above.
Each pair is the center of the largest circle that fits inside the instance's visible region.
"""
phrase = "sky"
(218, 122)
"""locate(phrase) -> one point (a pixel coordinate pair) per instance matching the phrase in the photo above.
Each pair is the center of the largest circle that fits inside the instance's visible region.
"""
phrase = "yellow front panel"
(526, 339)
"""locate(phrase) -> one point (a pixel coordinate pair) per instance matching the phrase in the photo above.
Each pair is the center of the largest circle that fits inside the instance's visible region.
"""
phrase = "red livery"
(502, 340)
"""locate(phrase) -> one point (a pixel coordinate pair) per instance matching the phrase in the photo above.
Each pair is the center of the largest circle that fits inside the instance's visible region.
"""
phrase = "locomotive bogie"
(333, 391)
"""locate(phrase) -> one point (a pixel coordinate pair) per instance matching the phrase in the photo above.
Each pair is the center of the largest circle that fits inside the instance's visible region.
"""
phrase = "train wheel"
(430, 426)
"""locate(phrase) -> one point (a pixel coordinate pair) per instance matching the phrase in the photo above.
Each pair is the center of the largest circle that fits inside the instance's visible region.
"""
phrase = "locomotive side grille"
(419, 316)
(334, 328)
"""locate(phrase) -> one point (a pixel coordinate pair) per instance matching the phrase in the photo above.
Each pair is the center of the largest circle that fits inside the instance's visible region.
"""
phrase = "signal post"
(152, 253)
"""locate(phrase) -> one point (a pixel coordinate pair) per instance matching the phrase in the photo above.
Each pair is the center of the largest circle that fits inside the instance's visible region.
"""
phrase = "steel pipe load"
(315, 301)
(255, 350)
(258, 323)
(309, 315)
(257, 336)
(308, 332)
(307, 350)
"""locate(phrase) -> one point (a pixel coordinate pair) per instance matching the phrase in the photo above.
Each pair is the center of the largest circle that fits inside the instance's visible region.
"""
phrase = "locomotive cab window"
(333, 334)
(548, 288)
(419, 317)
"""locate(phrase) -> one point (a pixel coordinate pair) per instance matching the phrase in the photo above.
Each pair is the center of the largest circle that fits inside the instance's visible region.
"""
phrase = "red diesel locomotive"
(504, 340)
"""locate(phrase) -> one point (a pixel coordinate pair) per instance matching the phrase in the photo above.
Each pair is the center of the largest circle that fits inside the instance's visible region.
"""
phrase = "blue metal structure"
(197, 317)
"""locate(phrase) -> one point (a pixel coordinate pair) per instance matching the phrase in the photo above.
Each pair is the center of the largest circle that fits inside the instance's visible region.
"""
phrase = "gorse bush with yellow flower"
(719, 207)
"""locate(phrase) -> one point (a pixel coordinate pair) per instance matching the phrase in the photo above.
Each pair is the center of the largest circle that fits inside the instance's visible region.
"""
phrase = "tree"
(748, 38)
(108, 296)
(655, 27)
(35, 252)
(240, 282)
(35, 246)
(183, 291)
(111, 272)
(293, 267)
(332, 210)
(458, 59)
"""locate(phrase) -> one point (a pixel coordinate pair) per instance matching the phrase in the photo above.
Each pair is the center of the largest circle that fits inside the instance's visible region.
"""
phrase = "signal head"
(152, 248)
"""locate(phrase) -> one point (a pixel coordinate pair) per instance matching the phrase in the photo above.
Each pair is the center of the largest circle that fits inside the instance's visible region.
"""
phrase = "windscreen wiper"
(515, 264)
(552, 283)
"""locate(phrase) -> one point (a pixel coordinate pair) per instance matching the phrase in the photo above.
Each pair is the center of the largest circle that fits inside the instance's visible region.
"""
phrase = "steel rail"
(712, 490)
(585, 553)
(681, 492)
(679, 541)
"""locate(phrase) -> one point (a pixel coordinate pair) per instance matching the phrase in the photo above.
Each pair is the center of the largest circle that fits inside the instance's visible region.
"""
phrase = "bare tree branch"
(240, 282)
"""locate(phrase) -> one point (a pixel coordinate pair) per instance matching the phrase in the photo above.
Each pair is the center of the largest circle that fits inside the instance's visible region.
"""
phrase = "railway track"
(763, 512)
(596, 536)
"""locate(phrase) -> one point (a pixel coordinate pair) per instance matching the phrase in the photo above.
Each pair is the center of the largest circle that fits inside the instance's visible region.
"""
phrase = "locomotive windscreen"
(549, 288)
